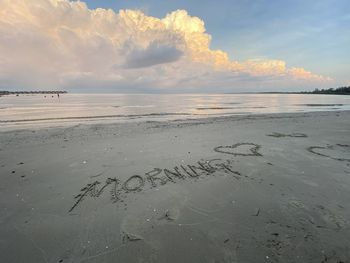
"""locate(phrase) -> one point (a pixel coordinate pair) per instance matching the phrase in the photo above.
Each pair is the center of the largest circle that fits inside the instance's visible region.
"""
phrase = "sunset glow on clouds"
(58, 44)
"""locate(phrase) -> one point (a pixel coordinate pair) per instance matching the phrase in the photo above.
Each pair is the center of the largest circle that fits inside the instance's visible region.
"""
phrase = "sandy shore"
(267, 188)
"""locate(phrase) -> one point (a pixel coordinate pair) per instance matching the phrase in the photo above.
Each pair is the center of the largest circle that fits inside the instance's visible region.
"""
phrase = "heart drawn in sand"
(338, 152)
(240, 149)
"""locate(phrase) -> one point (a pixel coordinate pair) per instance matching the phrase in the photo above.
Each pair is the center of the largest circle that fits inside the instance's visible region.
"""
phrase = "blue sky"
(313, 34)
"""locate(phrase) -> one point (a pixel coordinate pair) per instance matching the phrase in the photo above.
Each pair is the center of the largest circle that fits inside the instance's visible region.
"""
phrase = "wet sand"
(263, 188)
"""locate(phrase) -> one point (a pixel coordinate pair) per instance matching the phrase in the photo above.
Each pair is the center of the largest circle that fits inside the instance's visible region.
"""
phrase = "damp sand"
(263, 188)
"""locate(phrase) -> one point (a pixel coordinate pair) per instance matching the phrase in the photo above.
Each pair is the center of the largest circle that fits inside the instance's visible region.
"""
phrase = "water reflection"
(37, 110)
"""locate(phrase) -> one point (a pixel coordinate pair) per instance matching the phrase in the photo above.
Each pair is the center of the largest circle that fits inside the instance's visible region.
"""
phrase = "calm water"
(30, 111)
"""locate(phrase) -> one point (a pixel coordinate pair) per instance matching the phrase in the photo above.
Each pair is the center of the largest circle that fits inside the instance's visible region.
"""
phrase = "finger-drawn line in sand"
(318, 151)
(92, 190)
(343, 145)
(159, 177)
(84, 192)
(292, 135)
(137, 187)
(233, 149)
(113, 192)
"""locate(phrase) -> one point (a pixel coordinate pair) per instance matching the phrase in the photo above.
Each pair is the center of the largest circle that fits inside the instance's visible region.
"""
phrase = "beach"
(248, 188)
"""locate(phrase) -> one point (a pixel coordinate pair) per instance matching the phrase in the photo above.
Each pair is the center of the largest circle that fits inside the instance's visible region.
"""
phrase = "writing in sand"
(162, 176)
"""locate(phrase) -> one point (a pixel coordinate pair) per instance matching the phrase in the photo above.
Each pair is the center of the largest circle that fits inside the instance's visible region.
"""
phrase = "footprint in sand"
(331, 218)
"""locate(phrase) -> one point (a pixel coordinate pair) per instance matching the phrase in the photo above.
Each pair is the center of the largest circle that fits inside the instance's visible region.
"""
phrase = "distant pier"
(3, 93)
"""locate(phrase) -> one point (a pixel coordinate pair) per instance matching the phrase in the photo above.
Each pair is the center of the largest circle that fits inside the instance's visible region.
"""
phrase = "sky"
(178, 46)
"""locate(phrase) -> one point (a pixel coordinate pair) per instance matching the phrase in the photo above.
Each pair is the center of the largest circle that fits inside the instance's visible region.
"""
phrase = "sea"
(47, 110)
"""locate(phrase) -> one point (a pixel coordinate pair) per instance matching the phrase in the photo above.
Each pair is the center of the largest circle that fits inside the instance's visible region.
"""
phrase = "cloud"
(152, 55)
(55, 44)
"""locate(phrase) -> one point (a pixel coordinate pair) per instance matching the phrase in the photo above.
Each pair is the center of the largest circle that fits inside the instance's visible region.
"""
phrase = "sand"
(263, 188)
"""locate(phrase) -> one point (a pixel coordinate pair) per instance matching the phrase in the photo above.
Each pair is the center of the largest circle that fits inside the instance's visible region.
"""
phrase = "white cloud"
(46, 44)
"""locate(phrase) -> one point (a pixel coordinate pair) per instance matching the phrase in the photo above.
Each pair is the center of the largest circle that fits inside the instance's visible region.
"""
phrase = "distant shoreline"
(331, 91)
(280, 92)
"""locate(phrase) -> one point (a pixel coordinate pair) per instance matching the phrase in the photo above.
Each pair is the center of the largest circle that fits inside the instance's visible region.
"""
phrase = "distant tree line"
(339, 91)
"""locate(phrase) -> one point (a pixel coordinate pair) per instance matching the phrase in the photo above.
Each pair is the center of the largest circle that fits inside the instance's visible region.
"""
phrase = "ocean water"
(37, 111)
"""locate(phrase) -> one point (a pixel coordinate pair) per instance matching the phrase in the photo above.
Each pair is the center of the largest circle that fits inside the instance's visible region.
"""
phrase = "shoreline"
(256, 188)
(202, 120)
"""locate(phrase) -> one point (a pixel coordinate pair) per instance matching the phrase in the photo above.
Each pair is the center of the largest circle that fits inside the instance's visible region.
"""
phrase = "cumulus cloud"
(154, 54)
(64, 44)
